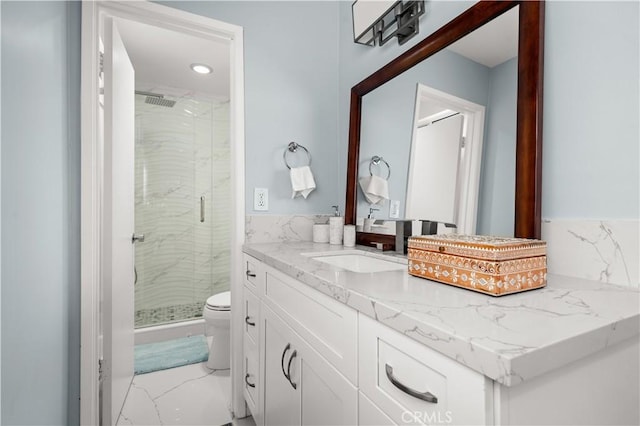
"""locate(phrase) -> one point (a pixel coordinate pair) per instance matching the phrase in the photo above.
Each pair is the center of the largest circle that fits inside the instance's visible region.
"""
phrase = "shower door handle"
(202, 209)
(137, 238)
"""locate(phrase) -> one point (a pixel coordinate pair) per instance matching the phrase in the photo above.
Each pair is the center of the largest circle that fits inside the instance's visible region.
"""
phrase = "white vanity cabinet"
(315, 360)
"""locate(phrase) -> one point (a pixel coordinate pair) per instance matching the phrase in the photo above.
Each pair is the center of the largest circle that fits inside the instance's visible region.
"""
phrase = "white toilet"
(217, 317)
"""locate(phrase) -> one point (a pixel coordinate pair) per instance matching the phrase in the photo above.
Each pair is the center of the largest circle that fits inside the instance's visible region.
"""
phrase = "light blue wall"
(291, 90)
(591, 110)
(40, 226)
(497, 180)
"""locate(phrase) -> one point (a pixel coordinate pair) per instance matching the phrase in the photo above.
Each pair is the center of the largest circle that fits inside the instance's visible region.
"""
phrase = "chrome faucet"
(404, 229)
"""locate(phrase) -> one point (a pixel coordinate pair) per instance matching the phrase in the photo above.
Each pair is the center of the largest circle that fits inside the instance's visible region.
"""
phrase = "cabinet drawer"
(251, 315)
(253, 274)
(328, 325)
(251, 377)
(396, 373)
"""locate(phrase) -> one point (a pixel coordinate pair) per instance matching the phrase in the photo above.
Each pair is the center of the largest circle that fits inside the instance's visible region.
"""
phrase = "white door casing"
(94, 176)
(470, 163)
(118, 224)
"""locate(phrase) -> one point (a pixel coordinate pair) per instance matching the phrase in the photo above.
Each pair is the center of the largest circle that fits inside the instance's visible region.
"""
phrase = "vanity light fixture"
(376, 21)
(201, 68)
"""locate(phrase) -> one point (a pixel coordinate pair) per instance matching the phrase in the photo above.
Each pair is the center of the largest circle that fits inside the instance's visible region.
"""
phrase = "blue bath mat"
(172, 353)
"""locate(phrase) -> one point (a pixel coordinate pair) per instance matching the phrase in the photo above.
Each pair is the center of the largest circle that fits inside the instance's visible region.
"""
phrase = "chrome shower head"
(155, 99)
(160, 101)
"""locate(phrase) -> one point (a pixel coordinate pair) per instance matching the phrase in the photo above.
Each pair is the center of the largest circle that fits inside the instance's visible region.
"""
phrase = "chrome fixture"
(375, 161)
(293, 147)
(376, 21)
(156, 99)
(137, 238)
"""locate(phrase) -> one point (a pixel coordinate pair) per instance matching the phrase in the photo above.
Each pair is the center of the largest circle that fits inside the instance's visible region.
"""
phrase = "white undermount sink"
(362, 262)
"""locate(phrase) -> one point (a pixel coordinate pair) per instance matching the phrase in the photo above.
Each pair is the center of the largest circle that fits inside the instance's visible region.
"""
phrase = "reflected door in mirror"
(433, 176)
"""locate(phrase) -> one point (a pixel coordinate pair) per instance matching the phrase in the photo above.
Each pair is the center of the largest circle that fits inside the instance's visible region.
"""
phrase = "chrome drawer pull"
(293, 355)
(246, 320)
(246, 381)
(250, 274)
(425, 396)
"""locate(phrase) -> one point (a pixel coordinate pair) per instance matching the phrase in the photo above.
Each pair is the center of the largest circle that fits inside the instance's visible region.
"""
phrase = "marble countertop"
(510, 339)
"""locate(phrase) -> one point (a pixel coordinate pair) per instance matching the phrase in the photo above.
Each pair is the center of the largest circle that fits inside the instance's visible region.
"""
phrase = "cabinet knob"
(425, 396)
(250, 274)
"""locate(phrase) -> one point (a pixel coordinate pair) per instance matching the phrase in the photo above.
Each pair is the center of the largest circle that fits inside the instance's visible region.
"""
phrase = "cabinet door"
(328, 398)
(370, 415)
(251, 325)
(314, 393)
(250, 374)
(281, 399)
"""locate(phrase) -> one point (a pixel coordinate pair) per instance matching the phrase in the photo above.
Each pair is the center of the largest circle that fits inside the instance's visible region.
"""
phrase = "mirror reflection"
(447, 130)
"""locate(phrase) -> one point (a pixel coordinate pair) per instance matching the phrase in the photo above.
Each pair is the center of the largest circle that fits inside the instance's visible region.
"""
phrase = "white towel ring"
(376, 160)
(293, 147)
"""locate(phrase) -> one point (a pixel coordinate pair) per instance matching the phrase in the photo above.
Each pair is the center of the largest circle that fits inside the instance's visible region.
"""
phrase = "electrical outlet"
(261, 199)
(394, 209)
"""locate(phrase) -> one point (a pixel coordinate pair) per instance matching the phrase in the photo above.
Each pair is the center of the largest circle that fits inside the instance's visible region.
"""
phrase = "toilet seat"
(219, 302)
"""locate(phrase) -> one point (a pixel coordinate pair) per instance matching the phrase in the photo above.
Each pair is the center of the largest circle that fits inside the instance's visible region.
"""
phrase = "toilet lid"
(220, 301)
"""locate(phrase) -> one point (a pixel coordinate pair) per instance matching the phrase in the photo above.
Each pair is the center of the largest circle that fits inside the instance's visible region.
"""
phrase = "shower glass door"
(181, 197)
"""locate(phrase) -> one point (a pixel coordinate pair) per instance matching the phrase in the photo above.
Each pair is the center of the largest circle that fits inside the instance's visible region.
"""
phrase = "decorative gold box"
(491, 265)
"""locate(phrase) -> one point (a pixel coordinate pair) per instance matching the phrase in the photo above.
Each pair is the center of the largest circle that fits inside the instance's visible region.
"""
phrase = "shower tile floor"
(188, 395)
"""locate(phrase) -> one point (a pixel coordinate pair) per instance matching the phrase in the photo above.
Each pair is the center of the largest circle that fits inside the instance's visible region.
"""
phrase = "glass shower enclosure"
(182, 194)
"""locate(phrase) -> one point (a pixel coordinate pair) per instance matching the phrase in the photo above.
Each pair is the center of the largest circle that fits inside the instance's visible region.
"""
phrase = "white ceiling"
(162, 58)
(493, 43)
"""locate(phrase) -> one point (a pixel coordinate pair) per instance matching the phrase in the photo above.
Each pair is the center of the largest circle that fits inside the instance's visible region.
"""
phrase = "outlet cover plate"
(394, 209)
(260, 199)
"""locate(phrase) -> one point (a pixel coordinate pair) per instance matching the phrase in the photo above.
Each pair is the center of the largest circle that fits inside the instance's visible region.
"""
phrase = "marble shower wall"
(606, 250)
(182, 154)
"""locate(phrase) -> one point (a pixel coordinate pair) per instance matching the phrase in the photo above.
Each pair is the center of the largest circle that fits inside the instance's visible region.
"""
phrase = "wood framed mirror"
(528, 155)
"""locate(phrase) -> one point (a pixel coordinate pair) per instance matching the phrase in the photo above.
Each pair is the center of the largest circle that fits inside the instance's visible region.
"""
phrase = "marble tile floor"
(189, 395)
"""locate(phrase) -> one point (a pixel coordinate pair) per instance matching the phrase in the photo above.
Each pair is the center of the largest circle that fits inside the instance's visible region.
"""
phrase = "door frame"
(469, 173)
(93, 176)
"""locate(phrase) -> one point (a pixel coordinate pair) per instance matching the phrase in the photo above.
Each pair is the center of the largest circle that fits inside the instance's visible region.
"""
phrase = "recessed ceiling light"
(201, 68)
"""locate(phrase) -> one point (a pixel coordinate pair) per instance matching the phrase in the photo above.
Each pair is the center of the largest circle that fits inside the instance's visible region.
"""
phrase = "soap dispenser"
(369, 220)
(336, 227)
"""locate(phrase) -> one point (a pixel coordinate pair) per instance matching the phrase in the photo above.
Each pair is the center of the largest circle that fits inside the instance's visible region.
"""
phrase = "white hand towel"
(302, 181)
(375, 189)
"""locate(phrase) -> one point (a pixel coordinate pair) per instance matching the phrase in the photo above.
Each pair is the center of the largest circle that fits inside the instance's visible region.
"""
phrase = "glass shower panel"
(182, 181)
